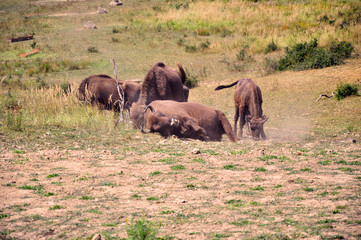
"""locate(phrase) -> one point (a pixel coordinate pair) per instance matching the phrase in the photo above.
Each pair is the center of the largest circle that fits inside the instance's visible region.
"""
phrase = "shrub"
(203, 32)
(180, 42)
(142, 229)
(204, 45)
(116, 30)
(66, 87)
(223, 31)
(115, 40)
(190, 48)
(13, 114)
(241, 56)
(269, 66)
(345, 90)
(342, 49)
(33, 44)
(192, 80)
(311, 56)
(271, 47)
(92, 50)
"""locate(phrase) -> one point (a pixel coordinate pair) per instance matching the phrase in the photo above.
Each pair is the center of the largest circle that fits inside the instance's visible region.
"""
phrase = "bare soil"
(233, 191)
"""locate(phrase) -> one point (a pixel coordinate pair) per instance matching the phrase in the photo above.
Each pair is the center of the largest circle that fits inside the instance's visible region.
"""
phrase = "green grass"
(177, 167)
(52, 175)
(56, 207)
(3, 215)
(242, 222)
(85, 197)
(155, 173)
(229, 167)
(261, 169)
(152, 198)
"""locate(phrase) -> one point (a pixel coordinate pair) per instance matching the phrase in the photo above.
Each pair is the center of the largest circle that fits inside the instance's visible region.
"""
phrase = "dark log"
(19, 39)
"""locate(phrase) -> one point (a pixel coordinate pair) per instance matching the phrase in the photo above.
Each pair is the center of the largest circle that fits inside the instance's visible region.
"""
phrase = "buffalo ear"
(265, 118)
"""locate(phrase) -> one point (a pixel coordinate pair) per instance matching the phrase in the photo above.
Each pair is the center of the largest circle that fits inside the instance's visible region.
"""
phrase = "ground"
(245, 190)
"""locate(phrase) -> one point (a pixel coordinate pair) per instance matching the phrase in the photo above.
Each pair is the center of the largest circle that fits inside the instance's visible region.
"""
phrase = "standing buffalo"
(102, 90)
(187, 120)
(164, 83)
(248, 107)
(160, 83)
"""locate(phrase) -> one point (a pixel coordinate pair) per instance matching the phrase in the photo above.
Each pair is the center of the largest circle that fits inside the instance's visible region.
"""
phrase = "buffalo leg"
(236, 116)
(242, 120)
(193, 130)
(248, 128)
(226, 126)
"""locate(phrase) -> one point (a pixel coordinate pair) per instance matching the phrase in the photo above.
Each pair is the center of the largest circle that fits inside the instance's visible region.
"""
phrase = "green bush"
(310, 56)
(142, 230)
(342, 49)
(345, 90)
(192, 80)
(271, 47)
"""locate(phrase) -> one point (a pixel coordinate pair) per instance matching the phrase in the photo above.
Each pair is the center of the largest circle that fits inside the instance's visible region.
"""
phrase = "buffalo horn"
(150, 107)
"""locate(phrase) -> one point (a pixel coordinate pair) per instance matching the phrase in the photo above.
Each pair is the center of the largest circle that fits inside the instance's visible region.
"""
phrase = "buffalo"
(102, 90)
(164, 83)
(248, 107)
(160, 83)
(187, 120)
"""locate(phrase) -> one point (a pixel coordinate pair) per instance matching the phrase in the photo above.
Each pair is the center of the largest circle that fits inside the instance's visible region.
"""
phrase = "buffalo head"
(158, 122)
(256, 126)
(167, 126)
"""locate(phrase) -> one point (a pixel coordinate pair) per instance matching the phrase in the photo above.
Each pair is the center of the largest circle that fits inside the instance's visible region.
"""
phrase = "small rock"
(196, 151)
(115, 3)
(49, 232)
(179, 201)
(101, 10)
(90, 25)
(97, 237)
(354, 141)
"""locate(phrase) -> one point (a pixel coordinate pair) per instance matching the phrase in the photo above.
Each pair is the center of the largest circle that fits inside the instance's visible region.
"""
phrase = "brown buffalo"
(102, 90)
(248, 107)
(164, 83)
(187, 120)
(160, 83)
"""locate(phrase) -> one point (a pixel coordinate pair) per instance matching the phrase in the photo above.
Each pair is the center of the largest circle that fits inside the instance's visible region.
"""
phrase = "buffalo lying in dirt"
(248, 107)
(187, 120)
(102, 90)
(160, 83)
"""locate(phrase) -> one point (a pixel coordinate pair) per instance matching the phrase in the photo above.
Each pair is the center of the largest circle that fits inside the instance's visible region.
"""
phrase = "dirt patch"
(237, 191)
(70, 14)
